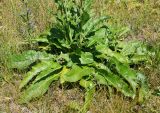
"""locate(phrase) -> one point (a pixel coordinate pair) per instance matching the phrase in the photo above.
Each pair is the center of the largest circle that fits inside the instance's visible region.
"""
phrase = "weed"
(81, 48)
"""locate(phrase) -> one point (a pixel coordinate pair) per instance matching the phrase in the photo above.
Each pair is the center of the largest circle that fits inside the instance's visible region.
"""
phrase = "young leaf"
(86, 84)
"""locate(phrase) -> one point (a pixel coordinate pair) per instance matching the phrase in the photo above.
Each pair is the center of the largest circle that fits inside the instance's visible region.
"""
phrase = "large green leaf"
(86, 58)
(37, 89)
(98, 37)
(53, 67)
(129, 47)
(43, 65)
(126, 72)
(138, 58)
(118, 83)
(76, 73)
(108, 52)
(90, 24)
(25, 59)
(100, 79)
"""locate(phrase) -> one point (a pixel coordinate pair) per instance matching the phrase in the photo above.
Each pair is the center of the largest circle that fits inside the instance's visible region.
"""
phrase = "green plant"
(81, 48)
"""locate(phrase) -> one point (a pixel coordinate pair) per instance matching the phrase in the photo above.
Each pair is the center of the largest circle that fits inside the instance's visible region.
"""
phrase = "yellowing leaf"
(76, 73)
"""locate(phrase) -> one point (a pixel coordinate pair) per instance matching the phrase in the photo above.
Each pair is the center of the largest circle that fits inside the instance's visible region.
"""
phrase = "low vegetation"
(83, 48)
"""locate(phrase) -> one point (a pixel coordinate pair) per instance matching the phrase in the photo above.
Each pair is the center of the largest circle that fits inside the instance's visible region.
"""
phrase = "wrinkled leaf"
(37, 90)
(130, 47)
(138, 58)
(118, 83)
(86, 58)
(91, 23)
(98, 37)
(125, 71)
(108, 52)
(76, 73)
(55, 66)
(27, 58)
(34, 71)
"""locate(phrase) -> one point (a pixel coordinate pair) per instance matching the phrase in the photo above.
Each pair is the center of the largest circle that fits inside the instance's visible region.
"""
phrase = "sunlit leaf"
(76, 73)
(34, 71)
(37, 89)
(25, 59)
(86, 58)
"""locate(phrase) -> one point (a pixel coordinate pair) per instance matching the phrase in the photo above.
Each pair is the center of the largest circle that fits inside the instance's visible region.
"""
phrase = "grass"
(142, 17)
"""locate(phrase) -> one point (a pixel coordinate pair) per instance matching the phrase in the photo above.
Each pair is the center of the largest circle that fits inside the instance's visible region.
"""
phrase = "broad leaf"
(100, 79)
(118, 83)
(144, 88)
(37, 90)
(53, 67)
(62, 73)
(108, 52)
(90, 90)
(27, 58)
(76, 73)
(126, 72)
(34, 71)
(98, 37)
(138, 58)
(86, 58)
(89, 26)
(130, 47)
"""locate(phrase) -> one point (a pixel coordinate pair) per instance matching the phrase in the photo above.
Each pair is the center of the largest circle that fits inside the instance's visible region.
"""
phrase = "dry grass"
(142, 17)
